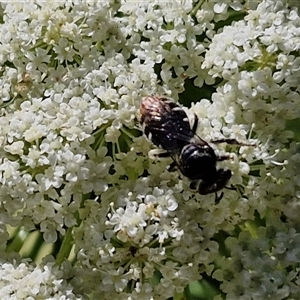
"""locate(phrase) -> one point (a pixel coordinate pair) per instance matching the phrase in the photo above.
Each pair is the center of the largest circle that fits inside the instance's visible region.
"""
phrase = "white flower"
(26, 281)
(15, 148)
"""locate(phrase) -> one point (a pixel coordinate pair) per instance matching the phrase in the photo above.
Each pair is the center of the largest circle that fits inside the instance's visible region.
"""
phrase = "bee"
(172, 128)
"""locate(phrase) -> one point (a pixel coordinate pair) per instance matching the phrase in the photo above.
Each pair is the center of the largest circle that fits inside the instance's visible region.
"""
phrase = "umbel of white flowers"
(84, 212)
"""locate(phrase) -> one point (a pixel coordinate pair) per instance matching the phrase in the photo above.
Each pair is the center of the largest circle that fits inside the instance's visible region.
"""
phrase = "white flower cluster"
(260, 267)
(263, 261)
(22, 280)
(258, 60)
(73, 164)
(142, 239)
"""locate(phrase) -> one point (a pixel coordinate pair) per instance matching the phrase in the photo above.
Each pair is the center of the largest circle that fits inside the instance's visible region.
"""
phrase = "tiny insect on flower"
(170, 127)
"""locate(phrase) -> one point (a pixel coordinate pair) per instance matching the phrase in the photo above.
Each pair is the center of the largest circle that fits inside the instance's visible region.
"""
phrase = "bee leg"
(218, 198)
(193, 185)
(172, 167)
(231, 187)
(191, 117)
(195, 125)
(232, 142)
(224, 157)
(227, 141)
(158, 153)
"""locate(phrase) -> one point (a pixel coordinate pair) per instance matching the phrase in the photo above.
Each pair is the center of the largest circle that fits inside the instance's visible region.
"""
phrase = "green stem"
(127, 132)
(196, 8)
(18, 241)
(66, 247)
(36, 246)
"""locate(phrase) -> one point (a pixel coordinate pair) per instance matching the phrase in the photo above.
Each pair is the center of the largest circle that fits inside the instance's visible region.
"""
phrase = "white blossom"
(75, 169)
(22, 280)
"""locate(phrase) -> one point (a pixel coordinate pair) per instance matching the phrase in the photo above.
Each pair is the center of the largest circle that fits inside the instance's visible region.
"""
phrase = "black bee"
(169, 127)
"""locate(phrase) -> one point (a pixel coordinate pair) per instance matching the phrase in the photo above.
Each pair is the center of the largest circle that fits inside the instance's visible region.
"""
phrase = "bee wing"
(167, 124)
(183, 134)
(172, 134)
